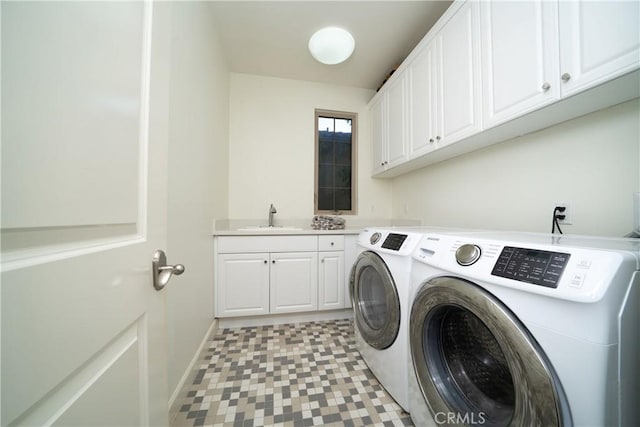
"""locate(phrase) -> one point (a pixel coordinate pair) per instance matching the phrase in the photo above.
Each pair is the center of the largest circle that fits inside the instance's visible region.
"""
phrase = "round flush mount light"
(331, 45)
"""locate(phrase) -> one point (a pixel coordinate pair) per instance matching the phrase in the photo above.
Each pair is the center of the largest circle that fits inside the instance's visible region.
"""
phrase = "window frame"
(354, 162)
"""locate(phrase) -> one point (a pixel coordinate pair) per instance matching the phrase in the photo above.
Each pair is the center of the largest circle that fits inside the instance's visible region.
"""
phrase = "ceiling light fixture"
(331, 45)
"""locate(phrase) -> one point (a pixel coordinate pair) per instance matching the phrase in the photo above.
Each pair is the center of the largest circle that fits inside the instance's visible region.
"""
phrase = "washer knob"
(375, 238)
(468, 254)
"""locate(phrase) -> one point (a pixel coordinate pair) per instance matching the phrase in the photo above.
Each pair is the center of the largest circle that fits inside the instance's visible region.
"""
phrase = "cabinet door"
(421, 75)
(378, 134)
(396, 114)
(520, 62)
(331, 280)
(599, 40)
(294, 282)
(242, 284)
(458, 45)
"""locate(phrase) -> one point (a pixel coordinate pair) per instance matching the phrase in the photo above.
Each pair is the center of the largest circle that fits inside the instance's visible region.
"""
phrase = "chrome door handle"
(162, 272)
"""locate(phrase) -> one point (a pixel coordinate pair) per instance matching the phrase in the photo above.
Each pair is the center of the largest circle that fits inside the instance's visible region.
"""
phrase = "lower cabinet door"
(294, 282)
(331, 280)
(242, 284)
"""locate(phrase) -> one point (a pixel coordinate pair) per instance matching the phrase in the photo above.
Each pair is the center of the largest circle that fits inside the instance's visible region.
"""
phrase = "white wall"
(591, 162)
(271, 153)
(198, 153)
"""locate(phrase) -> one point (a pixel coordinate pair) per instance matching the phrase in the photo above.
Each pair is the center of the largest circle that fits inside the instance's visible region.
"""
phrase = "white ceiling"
(270, 37)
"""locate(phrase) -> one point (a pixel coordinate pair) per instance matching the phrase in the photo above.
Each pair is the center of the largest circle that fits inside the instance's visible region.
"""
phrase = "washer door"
(375, 301)
(477, 364)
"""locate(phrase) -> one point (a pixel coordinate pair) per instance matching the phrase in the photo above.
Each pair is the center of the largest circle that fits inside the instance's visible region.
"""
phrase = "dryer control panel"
(390, 241)
(394, 241)
(543, 268)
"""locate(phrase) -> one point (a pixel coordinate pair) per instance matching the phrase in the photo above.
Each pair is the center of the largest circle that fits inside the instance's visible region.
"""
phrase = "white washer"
(379, 287)
(525, 329)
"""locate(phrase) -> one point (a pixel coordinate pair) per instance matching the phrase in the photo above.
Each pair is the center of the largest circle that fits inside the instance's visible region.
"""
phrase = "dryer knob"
(375, 238)
(468, 254)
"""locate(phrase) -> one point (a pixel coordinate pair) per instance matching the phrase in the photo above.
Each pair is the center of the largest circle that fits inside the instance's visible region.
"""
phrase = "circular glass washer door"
(476, 363)
(375, 301)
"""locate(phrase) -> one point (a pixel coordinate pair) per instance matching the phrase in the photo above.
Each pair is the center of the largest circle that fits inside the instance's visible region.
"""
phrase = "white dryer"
(513, 329)
(379, 288)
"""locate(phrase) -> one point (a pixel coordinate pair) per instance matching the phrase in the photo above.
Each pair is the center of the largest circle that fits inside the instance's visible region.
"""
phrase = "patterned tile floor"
(306, 374)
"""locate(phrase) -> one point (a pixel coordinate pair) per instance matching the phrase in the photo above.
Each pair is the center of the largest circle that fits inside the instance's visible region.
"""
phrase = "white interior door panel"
(84, 152)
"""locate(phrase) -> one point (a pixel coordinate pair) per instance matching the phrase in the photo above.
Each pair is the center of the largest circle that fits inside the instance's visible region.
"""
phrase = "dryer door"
(476, 363)
(375, 301)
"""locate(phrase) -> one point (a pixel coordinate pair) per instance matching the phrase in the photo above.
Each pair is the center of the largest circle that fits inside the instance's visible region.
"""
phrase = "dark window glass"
(334, 168)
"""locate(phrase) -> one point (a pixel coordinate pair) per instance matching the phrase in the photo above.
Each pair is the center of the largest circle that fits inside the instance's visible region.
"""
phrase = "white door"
(459, 75)
(396, 124)
(378, 134)
(520, 62)
(422, 99)
(331, 280)
(599, 40)
(84, 144)
(242, 284)
(294, 282)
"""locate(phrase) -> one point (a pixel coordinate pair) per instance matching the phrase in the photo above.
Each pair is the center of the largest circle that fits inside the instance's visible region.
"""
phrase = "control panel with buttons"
(543, 268)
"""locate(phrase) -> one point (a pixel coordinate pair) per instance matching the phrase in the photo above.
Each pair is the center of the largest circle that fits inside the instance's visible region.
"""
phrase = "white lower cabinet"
(243, 284)
(294, 282)
(331, 280)
(259, 275)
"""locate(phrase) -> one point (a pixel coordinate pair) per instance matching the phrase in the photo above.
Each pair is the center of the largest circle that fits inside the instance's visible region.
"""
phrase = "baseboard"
(188, 373)
(279, 319)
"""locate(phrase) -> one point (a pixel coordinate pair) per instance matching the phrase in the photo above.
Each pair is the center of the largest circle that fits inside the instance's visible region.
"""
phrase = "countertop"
(282, 232)
(241, 227)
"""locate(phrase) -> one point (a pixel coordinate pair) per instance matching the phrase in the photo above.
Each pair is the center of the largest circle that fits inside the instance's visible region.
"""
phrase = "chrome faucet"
(272, 210)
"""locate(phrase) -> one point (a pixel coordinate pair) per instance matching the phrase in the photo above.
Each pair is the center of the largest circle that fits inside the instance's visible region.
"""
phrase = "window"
(335, 154)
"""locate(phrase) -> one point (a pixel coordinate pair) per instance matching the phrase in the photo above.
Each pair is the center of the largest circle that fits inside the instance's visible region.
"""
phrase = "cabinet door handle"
(322, 260)
(430, 140)
(273, 261)
(546, 86)
(265, 261)
(438, 138)
(566, 77)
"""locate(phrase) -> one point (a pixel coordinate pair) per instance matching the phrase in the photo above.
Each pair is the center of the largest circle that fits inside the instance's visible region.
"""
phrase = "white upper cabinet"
(517, 64)
(458, 49)
(388, 115)
(378, 134)
(599, 40)
(396, 113)
(556, 49)
(422, 97)
(520, 58)
(443, 85)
